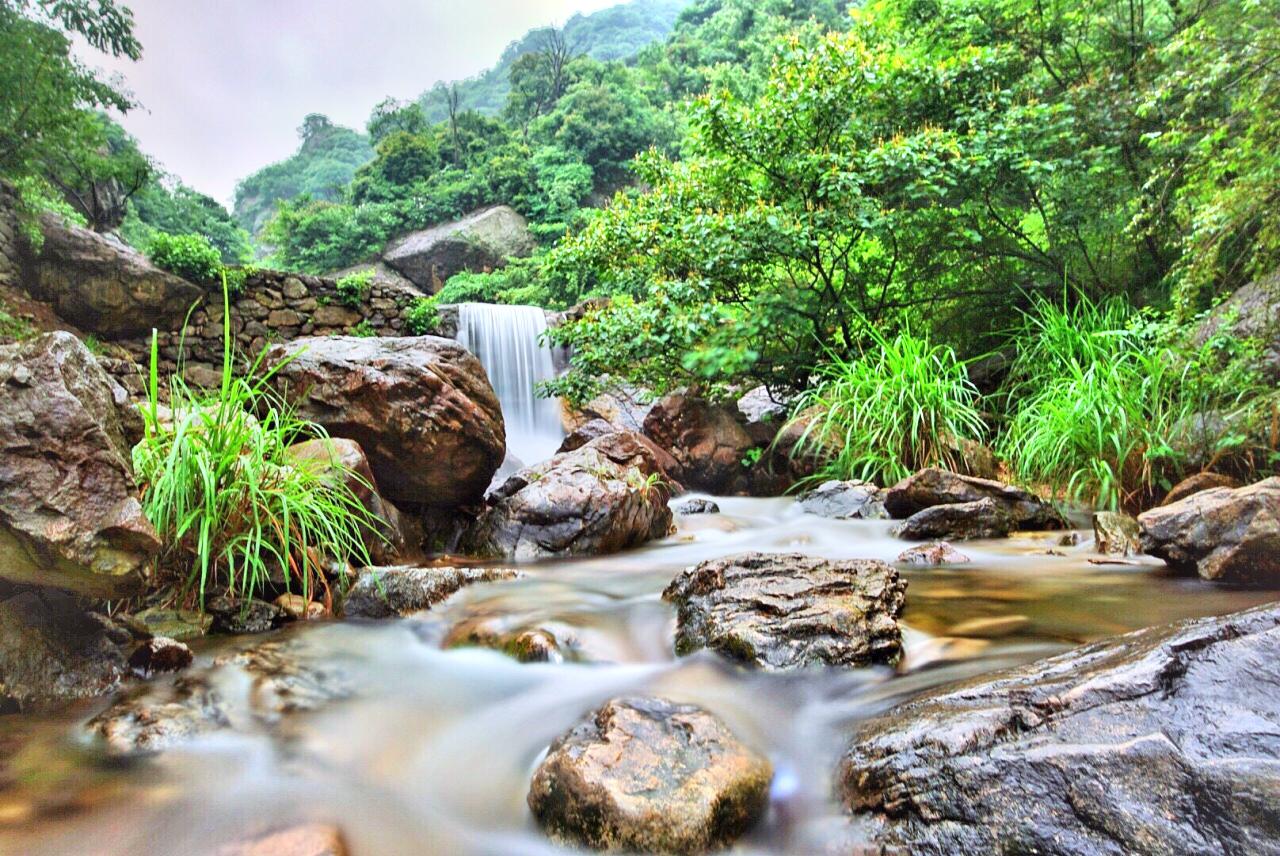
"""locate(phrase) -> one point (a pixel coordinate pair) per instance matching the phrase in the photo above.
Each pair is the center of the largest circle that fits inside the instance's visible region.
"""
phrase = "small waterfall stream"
(506, 339)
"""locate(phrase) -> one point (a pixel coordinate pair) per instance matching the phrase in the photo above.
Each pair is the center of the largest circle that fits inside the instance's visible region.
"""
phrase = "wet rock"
(153, 717)
(298, 608)
(932, 487)
(1196, 483)
(605, 497)
(935, 553)
(1161, 741)
(697, 506)
(1225, 535)
(159, 654)
(179, 624)
(403, 590)
(481, 241)
(844, 500)
(584, 434)
(309, 839)
(785, 611)
(238, 617)
(624, 408)
(961, 521)
(422, 399)
(651, 776)
(70, 514)
(991, 627)
(286, 679)
(528, 645)
(52, 651)
(1115, 533)
(707, 441)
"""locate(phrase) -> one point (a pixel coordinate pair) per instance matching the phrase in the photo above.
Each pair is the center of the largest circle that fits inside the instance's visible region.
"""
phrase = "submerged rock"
(845, 500)
(785, 611)
(1161, 741)
(961, 521)
(70, 514)
(697, 506)
(1196, 483)
(307, 839)
(153, 717)
(935, 553)
(403, 590)
(526, 644)
(605, 497)
(651, 776)
(1115, 533)
(421, 408)
(933, 487)
(1225, 535)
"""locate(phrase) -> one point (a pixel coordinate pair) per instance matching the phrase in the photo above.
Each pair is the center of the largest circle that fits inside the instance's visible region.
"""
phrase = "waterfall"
(506, 340)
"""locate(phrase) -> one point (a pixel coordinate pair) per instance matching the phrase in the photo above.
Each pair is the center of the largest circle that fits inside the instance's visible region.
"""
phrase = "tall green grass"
(901, 405)
(219, 489)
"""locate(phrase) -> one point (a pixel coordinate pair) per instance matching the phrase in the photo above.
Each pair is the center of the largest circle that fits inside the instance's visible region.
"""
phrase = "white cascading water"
(508, 342)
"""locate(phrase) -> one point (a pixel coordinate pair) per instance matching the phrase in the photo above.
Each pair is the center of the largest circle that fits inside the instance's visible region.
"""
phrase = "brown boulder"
(1225, 535)
(786, 611)
(707, 441)
(933, 486)
(70, 514)
(605, 497)
(1196, 483)
(421, 408)
(647, 775)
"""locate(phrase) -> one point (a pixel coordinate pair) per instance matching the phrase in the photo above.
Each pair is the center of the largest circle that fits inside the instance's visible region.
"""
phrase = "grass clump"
(219, 489)
(901, 405)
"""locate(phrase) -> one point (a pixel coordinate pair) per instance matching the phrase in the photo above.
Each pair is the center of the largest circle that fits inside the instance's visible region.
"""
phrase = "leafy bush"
(191, 257)
(421, 318)
(220, 490)
(364, 330)
(902, 405)
(353, 289)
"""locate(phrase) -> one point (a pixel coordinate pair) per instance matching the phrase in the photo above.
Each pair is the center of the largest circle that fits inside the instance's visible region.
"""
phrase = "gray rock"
(238, 617)
(697, 506)
(481, 241)
(1159, 742)
(960, 521)
(647, 775)
(844, 500)
(1195, 483)
(1115, 533)
(403, 590)
(1252, 312)
(786, 611)
(934, 486)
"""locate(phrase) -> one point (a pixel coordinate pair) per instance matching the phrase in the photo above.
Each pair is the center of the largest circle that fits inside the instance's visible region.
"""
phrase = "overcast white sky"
(225, 83)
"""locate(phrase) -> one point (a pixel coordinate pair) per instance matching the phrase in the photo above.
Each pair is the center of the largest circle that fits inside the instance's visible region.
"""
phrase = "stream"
(432, 750)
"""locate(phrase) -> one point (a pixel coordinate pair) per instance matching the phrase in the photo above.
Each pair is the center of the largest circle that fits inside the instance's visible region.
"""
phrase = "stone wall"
(10, 260)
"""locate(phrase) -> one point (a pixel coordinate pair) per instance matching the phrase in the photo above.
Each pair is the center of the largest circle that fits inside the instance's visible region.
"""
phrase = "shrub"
(901, 405)
(353, 289)
(220, 490)
(364, 330)
(191, 257)
(421, 318)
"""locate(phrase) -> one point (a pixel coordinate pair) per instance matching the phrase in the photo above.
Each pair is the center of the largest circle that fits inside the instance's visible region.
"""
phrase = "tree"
(391, 116)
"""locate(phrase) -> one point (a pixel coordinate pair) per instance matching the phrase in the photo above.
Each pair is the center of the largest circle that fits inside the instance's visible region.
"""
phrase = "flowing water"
(432, 751)
(508, 342)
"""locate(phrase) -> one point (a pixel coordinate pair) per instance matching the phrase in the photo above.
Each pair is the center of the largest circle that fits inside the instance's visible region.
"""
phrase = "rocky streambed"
(450, 730)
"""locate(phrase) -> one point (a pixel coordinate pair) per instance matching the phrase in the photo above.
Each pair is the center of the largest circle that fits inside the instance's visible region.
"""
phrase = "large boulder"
(958, 521)
(785, 611)
(421, 408)
(481, 241)
(933, 486)
(604, 497)
(70, 514)
(105, 287)
(1252, 312)
(707, 441)
(844, 500)
(1162, 741)
(1223, 534)
(402, 590)
(1197, 482)
(646, 775)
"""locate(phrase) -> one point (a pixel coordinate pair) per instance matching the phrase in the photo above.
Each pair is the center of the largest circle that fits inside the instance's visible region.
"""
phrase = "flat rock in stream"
(845, 500)
(963, 521)
(785, 611)
(651, 776)
(402, 590)
(1158, 742)
(934, 487)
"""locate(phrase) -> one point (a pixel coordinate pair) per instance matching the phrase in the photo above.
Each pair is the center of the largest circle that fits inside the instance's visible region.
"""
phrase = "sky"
(224, 84)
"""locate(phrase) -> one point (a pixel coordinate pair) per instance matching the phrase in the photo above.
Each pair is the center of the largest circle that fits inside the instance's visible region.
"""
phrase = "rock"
(403, 590)
(584, 434)
(104, 287)
(239, 617)
(179, 624)
(1252, 312)
(1225, 535)
(1161, 741)
(51, 651)
(156, 716)
(481, 241)
(844, 500)
(335, 316)
(625, 409)
(159, 654)
(933, 486)
(697, 506)
(605, 497)
(1196, 483)
(960, 521)
(70, 514)
(706, 440)
(419, 399)
(935, 553)
(340, 458)
(308, 839)
(973, 458)
(789, 611)
(1115, 533)
(527, 645)
(647, 775)
(762, 414)
(298, 608)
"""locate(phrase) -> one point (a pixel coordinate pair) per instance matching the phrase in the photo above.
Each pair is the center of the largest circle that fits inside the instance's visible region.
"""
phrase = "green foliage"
(13, 328)
(221, 491)
(191, 257)
(168, 205)
(353, 289)
(901, 405)
(422, 317)
(364, 329)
